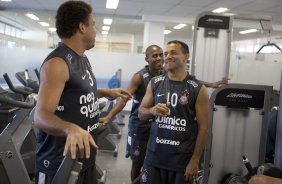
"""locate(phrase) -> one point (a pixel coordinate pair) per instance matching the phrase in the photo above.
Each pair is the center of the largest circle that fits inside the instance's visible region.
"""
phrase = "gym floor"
(118, 168)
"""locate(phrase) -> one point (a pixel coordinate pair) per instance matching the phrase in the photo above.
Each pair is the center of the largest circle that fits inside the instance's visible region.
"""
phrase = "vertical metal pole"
(278, 143)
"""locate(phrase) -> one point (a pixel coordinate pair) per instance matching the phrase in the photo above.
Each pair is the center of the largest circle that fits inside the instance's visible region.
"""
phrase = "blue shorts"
(137, 139)
(154, 175)
(136, 149)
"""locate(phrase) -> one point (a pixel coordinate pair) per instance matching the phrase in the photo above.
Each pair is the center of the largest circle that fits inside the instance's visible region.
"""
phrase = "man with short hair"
(178, 103)
(67, 109)
(138, 133)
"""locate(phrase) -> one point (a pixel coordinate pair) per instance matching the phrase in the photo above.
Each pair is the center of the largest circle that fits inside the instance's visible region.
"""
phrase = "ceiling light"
(7, 0)
(248, 31)
(108, 21)
(179, 26)
(32, 16)
(220, 10)
(52, 29)
(192, 27)
(106, 28)
(105, 32)
(167, 31)
(112, 4)
(44, 24)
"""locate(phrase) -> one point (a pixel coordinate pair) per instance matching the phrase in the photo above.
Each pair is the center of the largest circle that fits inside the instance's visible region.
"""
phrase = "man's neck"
(154, 72)
(177, 75)
(75, 45)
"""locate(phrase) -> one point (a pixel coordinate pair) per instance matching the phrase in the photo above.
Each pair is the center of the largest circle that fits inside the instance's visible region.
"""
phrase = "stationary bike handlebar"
(4, 98)
(248, 166)
(16, 89)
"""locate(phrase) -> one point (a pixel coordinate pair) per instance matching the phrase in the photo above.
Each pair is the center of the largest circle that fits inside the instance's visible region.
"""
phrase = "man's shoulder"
(143, 73)
(62, 52)
(191, 79)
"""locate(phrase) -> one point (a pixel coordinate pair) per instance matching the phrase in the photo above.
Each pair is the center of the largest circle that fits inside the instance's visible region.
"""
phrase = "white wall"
(18, 59)
(137, 42)
(104, 64)
(246, 68)
(35, 39)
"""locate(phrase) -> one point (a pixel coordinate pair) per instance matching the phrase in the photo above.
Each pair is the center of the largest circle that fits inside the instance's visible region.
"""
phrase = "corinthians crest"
(183, 97)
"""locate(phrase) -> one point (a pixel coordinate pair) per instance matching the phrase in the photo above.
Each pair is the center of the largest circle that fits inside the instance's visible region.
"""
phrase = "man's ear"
(187, 57)
(146, 59)
(81, 27)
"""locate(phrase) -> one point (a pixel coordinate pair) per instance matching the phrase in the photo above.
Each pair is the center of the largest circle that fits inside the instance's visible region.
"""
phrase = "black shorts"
(153, 175)
(136, 149)
(86, 176)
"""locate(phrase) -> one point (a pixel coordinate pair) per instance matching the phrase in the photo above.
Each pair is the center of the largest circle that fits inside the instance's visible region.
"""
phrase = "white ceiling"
(127, 18)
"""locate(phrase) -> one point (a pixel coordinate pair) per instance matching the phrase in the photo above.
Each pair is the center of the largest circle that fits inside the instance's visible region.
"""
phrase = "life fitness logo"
(239, 95)
(89, 107)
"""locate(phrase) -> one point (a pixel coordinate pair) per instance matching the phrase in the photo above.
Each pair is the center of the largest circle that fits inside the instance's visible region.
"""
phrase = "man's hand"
(191, 171)
(120, 92)
(78, 137)
(160, 109)
(104, 120)
(221, 82)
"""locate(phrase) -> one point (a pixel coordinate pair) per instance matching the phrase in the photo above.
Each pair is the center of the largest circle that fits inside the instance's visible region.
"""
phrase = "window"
(2, 28)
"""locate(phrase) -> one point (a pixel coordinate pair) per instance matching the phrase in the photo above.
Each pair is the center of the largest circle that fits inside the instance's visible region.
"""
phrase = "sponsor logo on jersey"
(193, 83)
(145, 75)
(90, 107)
(159, 95)
(171, 123)
(93, 127)
(172, 127)
(166, 141)
(60, 108)
(159, 79)
(183, 99)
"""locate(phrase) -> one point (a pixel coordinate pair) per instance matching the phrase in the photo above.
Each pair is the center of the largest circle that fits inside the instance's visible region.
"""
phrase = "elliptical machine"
(13, 143)
(26, 80)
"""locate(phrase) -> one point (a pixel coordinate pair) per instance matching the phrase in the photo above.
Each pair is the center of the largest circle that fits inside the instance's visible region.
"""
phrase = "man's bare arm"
(202, 109)
(114, 93)
(133, 86)
(53, 76)
(216, 84)
(262, 179)
(202, 114)
(147, 110)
